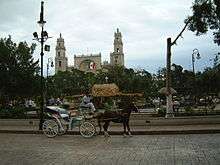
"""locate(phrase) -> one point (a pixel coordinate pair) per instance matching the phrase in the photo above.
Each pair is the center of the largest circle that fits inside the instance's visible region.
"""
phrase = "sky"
(88, 26)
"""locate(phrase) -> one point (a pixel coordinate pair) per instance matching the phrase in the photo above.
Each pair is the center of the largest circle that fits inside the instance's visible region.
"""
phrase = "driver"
(86, 102)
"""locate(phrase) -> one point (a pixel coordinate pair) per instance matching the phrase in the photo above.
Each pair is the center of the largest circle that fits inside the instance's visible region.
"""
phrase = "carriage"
(59, 120)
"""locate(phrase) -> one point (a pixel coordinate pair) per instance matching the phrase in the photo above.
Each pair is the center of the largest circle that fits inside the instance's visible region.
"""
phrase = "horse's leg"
(128, 127)
(105, 126)
(124, 124)
(100, 126)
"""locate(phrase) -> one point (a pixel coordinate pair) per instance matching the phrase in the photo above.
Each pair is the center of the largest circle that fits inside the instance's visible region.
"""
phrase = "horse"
(120, 116)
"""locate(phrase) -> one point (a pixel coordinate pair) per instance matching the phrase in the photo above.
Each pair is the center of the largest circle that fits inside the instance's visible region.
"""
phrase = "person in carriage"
(87, 102)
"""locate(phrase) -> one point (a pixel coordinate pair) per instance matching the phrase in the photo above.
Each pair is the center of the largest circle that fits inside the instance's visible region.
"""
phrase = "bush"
(161, 111)
(14, 113)
(189, 110)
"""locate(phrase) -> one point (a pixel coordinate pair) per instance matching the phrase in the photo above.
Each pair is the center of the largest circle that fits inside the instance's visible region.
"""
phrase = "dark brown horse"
(120, 116)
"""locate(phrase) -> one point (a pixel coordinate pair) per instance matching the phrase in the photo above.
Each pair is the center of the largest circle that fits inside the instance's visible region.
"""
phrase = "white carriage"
(58, 121)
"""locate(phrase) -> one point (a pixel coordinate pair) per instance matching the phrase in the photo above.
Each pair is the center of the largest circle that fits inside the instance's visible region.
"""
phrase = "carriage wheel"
(50, 128)
(87, 129)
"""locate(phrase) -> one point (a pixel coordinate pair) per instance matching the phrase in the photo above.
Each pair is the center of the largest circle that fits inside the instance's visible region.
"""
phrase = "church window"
(58, 54)
(117, 49)
(60, 63)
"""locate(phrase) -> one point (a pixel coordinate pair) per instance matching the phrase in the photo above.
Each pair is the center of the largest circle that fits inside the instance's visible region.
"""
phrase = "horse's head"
(130, 107)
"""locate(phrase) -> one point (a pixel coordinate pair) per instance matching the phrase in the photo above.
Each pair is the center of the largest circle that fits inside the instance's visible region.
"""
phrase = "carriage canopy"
(105, 90)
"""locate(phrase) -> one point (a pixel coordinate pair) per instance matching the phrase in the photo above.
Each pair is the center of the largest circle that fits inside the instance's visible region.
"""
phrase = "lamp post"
(43, 37)
(49, 64)
(106, 79)
(195, 53)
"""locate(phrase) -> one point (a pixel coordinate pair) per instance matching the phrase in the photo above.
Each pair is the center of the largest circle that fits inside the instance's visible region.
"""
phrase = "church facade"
(89, 62)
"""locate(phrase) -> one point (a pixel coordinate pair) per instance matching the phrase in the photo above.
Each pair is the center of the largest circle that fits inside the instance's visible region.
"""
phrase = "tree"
(208, 82)
(69, 83)
(177, 77)
(130, 81)
(216, 60)
(18, 70)
(206, 16)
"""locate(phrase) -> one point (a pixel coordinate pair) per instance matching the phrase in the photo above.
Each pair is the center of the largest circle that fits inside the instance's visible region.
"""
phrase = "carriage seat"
(83, 108)
(85, 111)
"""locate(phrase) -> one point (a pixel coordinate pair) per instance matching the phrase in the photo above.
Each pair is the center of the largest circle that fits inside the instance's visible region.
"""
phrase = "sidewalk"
(139, 124)
(136, 130)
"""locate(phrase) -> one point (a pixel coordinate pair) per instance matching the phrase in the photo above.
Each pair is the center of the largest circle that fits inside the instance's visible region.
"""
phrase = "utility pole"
(169, 109)
(169, 106)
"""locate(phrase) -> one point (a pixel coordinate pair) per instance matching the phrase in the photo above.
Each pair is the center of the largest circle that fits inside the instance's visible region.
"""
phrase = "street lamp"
(195, 53)
(43, 37)
(106, 79)
(49, 64)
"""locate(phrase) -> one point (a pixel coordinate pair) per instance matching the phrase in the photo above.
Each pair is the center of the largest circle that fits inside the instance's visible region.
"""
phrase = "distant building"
(88, 63)
(61, 62)
(117, 57)
(91, 62)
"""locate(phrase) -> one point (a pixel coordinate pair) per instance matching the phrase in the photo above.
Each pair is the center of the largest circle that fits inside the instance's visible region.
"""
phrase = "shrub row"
(15, 112)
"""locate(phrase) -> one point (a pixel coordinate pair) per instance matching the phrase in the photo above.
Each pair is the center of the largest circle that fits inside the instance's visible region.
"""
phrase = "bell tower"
(60, 58)
(117, 57)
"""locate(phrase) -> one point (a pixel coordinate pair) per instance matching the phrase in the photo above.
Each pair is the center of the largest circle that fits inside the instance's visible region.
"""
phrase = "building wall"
(88, 63)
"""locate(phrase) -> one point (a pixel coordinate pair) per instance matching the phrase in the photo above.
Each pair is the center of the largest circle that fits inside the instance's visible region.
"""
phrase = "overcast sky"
(88, 26)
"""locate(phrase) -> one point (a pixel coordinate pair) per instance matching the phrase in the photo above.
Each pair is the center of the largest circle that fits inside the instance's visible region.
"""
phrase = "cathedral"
(89, 62)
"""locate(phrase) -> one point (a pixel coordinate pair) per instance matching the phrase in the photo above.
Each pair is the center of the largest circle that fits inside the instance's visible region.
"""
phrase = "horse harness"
(119, 113)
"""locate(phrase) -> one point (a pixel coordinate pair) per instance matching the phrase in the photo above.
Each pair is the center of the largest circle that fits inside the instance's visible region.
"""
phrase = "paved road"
(142, 150)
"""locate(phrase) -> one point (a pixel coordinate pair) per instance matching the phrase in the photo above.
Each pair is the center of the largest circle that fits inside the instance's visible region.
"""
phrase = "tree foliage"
(69, 83)
(208, 82)
(18, 70)
(206, 15)
(76, 82)
(131, 81)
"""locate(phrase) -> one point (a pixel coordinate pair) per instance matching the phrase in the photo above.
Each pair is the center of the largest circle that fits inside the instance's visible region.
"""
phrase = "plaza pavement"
(35, 149)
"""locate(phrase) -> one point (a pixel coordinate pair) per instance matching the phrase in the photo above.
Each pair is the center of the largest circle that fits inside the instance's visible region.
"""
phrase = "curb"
(166, 132)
